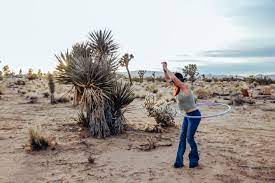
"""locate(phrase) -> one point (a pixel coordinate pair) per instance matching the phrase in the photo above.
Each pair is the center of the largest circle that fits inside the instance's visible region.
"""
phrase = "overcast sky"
(220, 36)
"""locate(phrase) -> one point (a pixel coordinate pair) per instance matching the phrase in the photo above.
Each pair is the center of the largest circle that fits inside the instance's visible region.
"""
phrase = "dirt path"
(237, 148)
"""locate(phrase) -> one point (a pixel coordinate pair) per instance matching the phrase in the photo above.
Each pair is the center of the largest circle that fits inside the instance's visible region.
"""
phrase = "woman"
(186, 103)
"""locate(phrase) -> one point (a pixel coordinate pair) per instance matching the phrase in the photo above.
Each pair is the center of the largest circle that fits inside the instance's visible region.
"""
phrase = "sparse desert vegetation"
(109, 126)
(229, 144)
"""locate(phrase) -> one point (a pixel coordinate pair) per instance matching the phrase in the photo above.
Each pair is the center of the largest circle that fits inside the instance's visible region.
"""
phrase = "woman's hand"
(164, 65)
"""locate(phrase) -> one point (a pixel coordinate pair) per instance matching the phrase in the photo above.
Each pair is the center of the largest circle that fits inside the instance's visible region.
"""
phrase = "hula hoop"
(210, 104)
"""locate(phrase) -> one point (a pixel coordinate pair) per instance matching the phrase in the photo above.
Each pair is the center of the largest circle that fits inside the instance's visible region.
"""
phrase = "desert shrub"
(21, 92)
(1, 75)
(1, 90)
(154, 128)
(32, 99)
(136, 79)
(37, 140)
(208, 80)
(20, 82)
(159, 95)
(162, 112)
(152, 88)
(236, 100)
(149, 79)
(31, 75)
(202, 93)
(264, 81)
(160, 79)
(46, 94)
(62, 100)
(265, 90)
(140, 94)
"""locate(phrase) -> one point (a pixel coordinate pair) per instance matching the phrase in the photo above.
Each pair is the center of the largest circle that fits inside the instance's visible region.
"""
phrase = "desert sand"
(238, 147)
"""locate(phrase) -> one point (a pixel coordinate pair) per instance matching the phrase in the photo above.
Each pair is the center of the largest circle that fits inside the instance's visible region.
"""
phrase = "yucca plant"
(104, 47)
(122, 95)
(102, 42)
(90, 68)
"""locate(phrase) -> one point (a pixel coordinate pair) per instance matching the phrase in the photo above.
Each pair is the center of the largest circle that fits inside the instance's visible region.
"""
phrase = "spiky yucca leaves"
(82, 120)
(121, 96)
(64, 60)
(104, 47)
(102, 42)
(81, 50)
(51, 87)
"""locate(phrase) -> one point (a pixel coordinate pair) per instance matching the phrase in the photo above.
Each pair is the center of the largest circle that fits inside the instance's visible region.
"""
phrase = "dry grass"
(32, 99)
(39, 141)
(46, 94)
(154, 128)
(1, 90)
(202, 93)
(149, 145)
(140, 94)
(152, 88)
(63, 100)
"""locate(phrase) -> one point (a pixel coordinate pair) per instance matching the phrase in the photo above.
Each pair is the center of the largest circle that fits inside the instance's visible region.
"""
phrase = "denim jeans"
(189, 128)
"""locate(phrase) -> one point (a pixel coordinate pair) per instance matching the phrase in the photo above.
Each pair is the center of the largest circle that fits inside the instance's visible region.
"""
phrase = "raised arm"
(166, 76)
(177, 82)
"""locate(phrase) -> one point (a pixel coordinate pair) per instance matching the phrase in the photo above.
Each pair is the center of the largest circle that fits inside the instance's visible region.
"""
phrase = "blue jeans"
(189, 128)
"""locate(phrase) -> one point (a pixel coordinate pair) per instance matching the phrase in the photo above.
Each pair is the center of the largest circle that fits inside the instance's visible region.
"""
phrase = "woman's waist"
(189, 110)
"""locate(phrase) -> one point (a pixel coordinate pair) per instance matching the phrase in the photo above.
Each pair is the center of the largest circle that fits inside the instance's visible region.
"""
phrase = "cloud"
(253, 52)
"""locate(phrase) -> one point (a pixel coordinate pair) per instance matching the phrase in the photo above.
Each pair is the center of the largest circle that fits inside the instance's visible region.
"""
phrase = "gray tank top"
(186, 102)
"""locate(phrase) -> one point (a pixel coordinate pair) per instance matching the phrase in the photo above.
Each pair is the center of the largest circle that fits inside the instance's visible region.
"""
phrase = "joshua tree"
(203, 77)
(124, 62)
(12, 74)
(91, 69)
(191, 71)
(20, 73)
(154, 76)
(39, 73)
(30, 72)
(51, 87)
(6, 70)
(141, 74)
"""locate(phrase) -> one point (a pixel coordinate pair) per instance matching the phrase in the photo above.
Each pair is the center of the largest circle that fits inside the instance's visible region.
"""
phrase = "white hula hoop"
(210, 116)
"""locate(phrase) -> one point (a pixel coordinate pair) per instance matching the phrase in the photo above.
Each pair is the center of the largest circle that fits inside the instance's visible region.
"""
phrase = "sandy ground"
(239, 147)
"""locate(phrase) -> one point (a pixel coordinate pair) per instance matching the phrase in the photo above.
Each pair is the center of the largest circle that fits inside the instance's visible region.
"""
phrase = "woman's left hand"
(164, 65)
